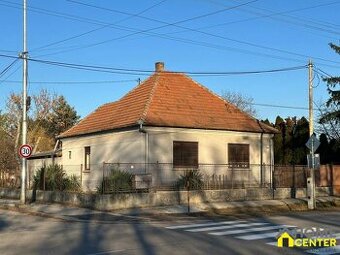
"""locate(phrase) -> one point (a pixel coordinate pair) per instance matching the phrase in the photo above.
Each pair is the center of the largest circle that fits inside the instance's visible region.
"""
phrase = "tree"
(289, 143)
(332, 113)
(243, 102)
(61, 118)
(8, 161)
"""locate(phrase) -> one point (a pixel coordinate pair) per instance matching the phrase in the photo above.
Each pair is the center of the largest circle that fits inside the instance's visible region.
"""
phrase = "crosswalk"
(248, 231)
(240, 229)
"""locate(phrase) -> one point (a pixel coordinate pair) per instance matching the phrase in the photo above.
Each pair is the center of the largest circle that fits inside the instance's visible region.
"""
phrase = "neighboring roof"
(45, 154)
(168, 99)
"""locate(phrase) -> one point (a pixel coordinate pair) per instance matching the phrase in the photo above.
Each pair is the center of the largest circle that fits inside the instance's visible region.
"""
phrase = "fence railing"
(165, 176)
(141, 177)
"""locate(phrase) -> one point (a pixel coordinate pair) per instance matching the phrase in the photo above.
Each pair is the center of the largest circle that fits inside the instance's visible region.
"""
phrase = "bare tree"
(243, 102)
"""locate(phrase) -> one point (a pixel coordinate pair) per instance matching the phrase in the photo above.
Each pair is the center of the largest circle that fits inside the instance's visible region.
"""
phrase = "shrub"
(115, 182)
(192, 177)
(55, 179)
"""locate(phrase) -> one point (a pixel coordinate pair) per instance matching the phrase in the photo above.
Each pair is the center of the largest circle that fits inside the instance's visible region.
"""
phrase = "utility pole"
(24, 106)
(311, 131)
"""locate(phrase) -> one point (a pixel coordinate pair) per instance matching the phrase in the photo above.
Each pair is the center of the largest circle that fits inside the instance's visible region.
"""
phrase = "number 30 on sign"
(25, 151)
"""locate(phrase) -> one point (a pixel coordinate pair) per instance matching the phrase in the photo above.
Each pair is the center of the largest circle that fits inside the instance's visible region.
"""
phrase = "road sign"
(316, 162)
(313, 143)
(25, 151)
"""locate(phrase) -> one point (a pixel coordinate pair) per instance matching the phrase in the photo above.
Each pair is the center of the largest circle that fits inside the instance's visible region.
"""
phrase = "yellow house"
(285, 240)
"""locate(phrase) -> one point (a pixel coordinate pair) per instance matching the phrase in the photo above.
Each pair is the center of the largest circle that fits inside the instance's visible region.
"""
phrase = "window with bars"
(87, 157)
(238, 155)
(185, 154)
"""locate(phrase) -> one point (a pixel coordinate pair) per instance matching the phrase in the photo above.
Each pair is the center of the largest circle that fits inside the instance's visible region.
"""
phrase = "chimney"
(159, 66)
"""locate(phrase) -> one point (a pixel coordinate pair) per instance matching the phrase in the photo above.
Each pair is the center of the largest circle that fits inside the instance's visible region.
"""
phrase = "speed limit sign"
(25, 151)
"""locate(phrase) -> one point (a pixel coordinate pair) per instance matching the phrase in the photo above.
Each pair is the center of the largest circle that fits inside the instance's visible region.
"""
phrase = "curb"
(264, 207)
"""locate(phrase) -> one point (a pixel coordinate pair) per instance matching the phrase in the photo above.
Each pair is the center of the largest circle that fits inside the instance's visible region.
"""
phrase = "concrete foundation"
(159, 198)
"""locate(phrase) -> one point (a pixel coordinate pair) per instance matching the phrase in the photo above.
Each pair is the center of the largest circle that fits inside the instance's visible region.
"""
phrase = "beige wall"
(212, 149)
(156, 146)
(117, 147)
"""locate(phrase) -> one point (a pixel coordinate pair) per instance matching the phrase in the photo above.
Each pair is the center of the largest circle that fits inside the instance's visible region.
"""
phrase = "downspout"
(146, 144)
(54, 150)
(261, 153)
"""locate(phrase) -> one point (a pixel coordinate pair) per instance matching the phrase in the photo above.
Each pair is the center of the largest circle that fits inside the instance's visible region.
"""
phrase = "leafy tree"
(61, 118)
(332, 114)
(243, 102)
(330, 119)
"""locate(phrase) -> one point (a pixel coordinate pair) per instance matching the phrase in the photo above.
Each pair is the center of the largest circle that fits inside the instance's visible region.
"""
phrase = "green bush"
(192, 177)
(55, 179)
(115, 182)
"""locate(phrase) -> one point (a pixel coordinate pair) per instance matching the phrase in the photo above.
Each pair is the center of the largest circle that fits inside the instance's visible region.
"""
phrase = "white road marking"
(106, 252)
(227, 227)
(205, 224)
(241, 231)
(258, 236)
(325, 250)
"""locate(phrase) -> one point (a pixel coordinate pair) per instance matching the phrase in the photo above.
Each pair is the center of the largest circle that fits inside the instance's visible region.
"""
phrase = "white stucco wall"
(212, 150)
(117, 147)
(156, 146)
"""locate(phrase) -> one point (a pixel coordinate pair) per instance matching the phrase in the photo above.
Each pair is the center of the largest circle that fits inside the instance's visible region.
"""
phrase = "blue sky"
(217, 36)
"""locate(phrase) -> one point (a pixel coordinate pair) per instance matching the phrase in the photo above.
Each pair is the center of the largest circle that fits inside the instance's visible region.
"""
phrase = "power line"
(100, 28)
(281, 106)
(284, 14)
(73, 82)
(136, 31)
(92, 21)
(3, 72)
(146, 72)
(175, 24)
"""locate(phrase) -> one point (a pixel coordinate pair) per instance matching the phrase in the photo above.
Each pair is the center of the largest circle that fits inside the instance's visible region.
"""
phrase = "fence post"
(103, 179)
(232, 176)
(81, 175)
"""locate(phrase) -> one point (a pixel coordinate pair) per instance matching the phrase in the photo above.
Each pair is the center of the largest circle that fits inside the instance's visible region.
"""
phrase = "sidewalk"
(69, 213)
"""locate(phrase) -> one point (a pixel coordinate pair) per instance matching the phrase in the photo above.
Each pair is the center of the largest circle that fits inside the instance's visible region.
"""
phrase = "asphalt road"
(109, 234)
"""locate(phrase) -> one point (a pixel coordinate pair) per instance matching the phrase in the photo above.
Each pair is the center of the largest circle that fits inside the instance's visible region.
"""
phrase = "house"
(168, 120)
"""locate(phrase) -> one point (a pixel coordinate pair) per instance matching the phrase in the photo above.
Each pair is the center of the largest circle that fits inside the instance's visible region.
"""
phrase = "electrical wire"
(272, 15)
(176, 24)
(78, 18)
(3, 72)
(74, 82)
(146, 72)
(97, 29)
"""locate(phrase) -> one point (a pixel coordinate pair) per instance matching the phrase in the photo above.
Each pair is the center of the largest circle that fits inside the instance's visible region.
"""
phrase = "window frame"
(181, 157)
(234, 160)
(87, 158)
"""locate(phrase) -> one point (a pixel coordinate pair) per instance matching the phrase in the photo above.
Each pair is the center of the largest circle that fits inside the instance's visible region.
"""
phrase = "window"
(185, 154)
(69, 154)
(87, 157)
(238, 155)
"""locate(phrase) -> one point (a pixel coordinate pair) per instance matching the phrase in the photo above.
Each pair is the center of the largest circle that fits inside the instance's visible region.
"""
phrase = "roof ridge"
(148, 102)
(135, 88)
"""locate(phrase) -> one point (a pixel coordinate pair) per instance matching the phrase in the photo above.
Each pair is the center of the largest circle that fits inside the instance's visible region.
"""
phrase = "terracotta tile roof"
(171, 100)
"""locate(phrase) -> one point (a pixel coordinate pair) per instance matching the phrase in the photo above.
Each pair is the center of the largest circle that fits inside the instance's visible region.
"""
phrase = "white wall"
(212, 149)
(117, 147)
(156, 146)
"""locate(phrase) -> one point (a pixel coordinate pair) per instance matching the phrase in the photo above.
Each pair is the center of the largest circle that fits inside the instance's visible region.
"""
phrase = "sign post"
(313, 143)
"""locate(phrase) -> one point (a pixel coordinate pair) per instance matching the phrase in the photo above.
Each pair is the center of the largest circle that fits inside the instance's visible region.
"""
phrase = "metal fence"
(164, 176)
(141, 177)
